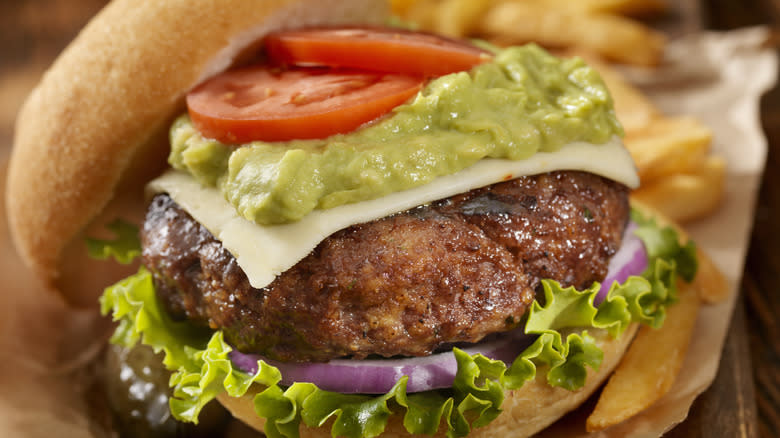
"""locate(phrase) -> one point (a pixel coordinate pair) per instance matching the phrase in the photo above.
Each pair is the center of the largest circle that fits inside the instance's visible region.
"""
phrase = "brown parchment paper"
(46, 348)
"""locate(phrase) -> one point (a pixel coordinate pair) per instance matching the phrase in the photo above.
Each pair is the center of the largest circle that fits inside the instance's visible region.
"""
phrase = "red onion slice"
(631, 259)
(377, 376)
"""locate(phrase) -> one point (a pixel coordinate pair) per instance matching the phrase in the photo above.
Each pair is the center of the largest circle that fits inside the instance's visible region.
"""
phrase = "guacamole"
(524, 101)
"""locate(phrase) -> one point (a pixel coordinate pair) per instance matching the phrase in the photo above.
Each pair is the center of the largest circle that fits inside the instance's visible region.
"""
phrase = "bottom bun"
(525, 411)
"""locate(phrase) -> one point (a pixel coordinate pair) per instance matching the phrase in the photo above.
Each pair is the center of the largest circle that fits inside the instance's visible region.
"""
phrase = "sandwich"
(357, 230)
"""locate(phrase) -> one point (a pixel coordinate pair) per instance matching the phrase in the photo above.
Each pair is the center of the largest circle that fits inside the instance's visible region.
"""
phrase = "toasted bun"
(524, 412)
(94, 130)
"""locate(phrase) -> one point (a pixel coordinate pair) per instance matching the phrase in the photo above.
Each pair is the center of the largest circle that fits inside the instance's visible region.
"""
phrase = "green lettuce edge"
(202, 369)
(124, 248)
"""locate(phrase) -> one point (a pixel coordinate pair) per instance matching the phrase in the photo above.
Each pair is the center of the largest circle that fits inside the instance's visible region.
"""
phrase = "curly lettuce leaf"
(202, 370)
(199, 357)
(124, 248)
(663, 243)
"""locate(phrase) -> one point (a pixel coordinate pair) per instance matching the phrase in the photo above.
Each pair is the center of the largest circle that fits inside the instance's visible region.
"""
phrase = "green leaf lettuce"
(125, 247)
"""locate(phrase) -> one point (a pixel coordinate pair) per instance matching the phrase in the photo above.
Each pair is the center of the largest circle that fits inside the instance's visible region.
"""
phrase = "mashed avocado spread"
(524, 101)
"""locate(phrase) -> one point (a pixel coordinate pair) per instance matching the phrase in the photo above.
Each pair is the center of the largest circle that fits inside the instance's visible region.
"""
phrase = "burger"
(357, 231)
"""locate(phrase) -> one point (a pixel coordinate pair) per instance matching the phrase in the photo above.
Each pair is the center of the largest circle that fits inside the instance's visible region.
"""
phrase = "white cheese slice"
(263, 252)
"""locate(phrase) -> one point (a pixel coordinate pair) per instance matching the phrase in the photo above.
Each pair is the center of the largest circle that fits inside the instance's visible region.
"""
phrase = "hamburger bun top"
(95, 129)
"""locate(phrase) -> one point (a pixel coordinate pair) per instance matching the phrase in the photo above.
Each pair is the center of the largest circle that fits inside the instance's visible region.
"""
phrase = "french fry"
(421, 12)
(618, 7)
(612, 36)
(649, 368)
(400, 7)
(684, 197)
(668, 146)
(459, 18)
(633, 109)
(710, 283)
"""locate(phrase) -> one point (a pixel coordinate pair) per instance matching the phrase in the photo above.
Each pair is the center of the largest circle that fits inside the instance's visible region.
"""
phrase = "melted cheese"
(263, 252)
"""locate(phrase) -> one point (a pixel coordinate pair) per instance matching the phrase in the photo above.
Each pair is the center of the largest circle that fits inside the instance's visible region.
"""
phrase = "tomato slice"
(263, 103)
(390, 50)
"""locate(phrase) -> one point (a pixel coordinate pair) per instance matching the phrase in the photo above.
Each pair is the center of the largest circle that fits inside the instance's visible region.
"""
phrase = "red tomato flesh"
(390, 50)
(263, 103)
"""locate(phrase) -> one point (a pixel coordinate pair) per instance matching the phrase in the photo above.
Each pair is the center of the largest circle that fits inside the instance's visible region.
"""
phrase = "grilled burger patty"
(452, 271)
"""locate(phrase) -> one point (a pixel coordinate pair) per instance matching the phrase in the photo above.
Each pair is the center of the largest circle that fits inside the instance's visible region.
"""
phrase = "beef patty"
(455, 270)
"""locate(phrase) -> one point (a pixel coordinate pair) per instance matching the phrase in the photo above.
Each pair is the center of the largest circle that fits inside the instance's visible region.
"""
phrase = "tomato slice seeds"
(263, 103)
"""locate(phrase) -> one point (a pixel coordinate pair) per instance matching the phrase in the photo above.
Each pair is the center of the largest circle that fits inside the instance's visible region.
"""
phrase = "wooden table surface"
(761, 277)
(744, 400)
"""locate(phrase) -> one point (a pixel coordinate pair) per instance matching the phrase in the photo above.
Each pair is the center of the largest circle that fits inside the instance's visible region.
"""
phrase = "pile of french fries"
(601, 26)
(680, 176)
